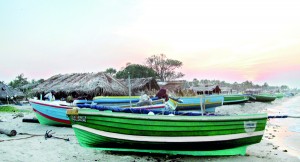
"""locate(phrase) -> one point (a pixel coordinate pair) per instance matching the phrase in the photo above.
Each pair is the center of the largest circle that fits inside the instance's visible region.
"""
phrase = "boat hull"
(235, 99)
(117, 99)
(189, 135)
(193, 103)
(262, 98)
(50, 113)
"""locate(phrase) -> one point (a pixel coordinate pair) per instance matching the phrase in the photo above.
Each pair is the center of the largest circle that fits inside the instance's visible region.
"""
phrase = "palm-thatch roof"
(92, 84)
(9, 92)
(141, 85)
(177, 88)
(175, 85)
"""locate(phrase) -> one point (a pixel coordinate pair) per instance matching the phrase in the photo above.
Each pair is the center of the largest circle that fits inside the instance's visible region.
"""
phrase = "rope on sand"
(22, 138)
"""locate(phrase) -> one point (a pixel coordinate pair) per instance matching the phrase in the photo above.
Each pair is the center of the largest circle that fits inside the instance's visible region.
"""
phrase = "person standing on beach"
(50, 96)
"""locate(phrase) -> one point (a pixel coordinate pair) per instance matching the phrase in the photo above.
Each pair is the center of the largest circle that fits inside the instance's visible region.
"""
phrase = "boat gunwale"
(49, 104)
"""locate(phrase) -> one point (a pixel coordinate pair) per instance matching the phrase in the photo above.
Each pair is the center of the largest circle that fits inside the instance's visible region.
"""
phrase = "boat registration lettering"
(79, 118)
(250, 126)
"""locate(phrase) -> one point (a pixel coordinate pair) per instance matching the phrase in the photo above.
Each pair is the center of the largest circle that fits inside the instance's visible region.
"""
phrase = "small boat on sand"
(235, 99)
(262, 97)
(51, 112)
(54, 112)
(208, 102)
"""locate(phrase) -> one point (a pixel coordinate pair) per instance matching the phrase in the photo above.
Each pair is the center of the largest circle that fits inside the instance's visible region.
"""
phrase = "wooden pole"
(202, 111)
(8, 132)
(129, 87)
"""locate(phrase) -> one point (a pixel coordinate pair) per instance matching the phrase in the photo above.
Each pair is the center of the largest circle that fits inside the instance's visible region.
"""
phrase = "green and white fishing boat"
(167, 134)
(264, 97)
(279, 95)
(235, 99)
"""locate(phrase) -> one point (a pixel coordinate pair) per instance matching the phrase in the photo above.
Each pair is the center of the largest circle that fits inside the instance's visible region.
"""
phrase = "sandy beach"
(278, 144)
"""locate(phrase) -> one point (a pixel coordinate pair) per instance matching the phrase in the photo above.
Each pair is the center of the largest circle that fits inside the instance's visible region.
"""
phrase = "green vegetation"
(157, 66)
(136, 71)
(164, 67)
(19, 81)
(111, 71)
(8, 109)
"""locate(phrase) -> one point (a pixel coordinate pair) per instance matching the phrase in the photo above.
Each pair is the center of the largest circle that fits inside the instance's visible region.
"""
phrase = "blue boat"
(118, 99)
(209, 103)
(51, 112)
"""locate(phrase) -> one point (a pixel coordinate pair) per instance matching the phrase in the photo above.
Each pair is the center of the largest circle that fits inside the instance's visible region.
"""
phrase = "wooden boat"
(209, 102)
(235, 99)
(167, 134)
(54, 112)
(118, 99)
(262, 97)
(51, 112)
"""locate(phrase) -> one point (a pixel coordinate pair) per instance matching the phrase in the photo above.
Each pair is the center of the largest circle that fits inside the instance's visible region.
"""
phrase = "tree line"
(159, 67)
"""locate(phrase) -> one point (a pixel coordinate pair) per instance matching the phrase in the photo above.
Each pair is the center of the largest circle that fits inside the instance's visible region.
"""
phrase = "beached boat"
(235, 99)
(279, 95)
(167, 134)
(262, 97)
(54, 112)
(101, 100)
(51, 112)
(208, 102)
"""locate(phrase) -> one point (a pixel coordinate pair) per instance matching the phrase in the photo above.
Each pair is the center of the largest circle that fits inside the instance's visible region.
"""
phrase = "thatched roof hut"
(82, 84)
(7, 92)
(177, 88)
(141, 85)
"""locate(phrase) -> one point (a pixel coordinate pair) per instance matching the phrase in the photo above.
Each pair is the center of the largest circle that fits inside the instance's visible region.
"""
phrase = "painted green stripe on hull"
(171, 123)
(150, 127)
(158, 122)
(45, 121)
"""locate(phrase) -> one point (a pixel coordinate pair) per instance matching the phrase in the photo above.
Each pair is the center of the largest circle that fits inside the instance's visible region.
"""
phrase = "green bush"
(8, 109)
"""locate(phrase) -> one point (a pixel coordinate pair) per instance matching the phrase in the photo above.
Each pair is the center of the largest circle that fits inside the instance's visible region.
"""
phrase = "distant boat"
(262, 97)
(235, 99)
(209, 102)
(167, 134)
(279, 95)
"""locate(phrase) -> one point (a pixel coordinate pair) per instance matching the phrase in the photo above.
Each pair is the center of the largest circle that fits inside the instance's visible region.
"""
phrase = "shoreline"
(34, 147)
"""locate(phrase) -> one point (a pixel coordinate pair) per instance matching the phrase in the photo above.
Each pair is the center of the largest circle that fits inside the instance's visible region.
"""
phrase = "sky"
(232, 40)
